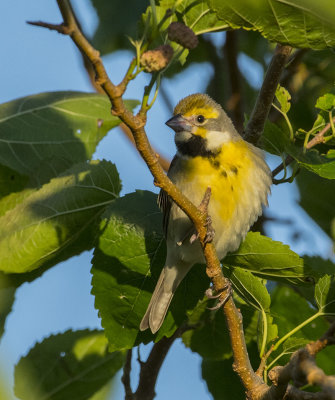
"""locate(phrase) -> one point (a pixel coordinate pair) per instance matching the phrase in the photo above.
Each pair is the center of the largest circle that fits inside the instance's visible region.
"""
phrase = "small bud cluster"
(157, 59)
(183, 35)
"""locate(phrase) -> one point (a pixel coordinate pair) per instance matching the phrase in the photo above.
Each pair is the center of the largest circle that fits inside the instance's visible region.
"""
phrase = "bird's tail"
(166, 287)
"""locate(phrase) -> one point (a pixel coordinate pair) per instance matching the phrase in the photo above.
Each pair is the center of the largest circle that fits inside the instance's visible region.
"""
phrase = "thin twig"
(265, 97)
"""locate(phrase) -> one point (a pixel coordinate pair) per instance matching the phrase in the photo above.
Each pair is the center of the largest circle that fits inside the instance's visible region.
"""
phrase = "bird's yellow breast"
(226, 174)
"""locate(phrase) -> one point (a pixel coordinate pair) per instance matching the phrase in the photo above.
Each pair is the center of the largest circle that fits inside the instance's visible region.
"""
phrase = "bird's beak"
(178, 123)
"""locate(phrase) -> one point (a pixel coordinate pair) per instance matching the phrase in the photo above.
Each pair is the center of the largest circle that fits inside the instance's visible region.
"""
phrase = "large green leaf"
(53, 127)
(316, 198)
(290, 310)
(126, 266)
(209, 336)
(199, 17)
(55, 216)
(223, 383)
(323, 165)
(300, 24)
(71, 365)
(268, 259)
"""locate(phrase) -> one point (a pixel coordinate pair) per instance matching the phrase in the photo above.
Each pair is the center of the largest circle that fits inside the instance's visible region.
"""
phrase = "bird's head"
(201, 126)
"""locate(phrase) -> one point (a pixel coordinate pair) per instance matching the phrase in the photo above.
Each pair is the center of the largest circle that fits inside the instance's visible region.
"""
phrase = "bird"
(210, 154)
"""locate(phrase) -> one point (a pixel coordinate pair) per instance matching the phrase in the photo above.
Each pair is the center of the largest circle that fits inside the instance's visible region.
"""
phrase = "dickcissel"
(210, 153)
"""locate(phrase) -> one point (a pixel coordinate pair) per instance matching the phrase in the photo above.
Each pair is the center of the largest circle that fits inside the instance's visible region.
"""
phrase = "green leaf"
(323, 165)
(7, 297)
(268, 259)
(55, 216)
(11, 181)
(198, 16)
(126, 266)
(312, 22)
(289, 310)
(222, 382)
(325, 294)
(293, 344)
(117, 20)
(284, 98)
(316, 198)
(51, 127)
(274, 139)
(326, 102)
(250, 288)
(71, 365)
(209, 337)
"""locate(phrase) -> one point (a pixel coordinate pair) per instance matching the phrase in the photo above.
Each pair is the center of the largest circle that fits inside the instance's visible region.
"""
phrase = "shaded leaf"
(325, 294)
(289, 310)
(209, 337)
(53, 126)
(7, 297)
(316, 198)
(117, 20)
(313, 23)
(221, 380)
(250, 288)
(126, 266)
(274, 139)
(55, 216)
(293, 344)
(71, 365)
(323, 165)
(268, 259)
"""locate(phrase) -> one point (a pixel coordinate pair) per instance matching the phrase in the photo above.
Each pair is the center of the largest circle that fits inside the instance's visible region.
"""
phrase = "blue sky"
(36, 60)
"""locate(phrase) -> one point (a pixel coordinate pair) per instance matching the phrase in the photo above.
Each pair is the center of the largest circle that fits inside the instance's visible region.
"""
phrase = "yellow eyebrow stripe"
(207, 112)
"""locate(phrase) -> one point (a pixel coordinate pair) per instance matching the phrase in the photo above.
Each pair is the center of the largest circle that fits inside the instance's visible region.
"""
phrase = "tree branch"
(265, 97)
(150, 369)
(126, 376)
(302, 369)
(234, 104)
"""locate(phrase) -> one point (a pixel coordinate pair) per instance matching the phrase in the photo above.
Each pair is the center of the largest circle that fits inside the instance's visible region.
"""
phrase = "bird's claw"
(210, 230)
(209, 234)
(222, 300)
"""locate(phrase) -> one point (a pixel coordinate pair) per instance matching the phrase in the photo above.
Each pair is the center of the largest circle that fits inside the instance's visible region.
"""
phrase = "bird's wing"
(164, 201)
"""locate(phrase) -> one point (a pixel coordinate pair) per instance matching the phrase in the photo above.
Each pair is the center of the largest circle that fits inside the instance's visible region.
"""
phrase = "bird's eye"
(200, 119)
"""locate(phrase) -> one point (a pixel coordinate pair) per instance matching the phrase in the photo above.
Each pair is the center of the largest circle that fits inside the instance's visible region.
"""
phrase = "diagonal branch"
(265, 97)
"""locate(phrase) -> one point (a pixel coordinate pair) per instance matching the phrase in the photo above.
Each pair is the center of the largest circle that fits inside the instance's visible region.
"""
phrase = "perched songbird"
(210, 153)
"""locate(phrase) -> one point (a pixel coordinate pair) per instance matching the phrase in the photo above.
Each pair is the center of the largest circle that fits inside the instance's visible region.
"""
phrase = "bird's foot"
(222, 298)
(209, 234)
(210, 230)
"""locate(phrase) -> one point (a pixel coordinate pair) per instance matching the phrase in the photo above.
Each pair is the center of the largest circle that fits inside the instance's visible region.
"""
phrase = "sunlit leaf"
(52, 218)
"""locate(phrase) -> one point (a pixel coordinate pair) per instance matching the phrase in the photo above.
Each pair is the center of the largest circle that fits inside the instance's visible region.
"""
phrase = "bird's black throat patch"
(194, 147)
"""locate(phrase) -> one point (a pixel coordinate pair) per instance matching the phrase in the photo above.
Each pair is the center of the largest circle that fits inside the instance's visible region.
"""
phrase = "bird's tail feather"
(167, 284)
